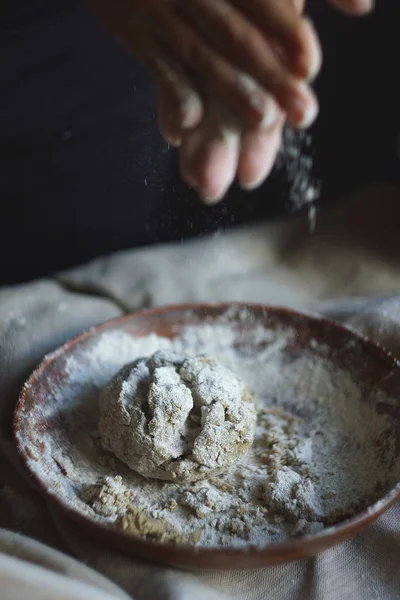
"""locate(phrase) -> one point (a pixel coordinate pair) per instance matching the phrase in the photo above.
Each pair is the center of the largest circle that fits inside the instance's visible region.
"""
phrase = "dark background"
(84, 171)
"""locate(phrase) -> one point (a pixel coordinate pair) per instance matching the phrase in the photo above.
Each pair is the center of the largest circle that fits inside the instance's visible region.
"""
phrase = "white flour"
(320, 453)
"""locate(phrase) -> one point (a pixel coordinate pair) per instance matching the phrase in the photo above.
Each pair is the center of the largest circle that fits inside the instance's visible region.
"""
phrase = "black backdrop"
(83, 170)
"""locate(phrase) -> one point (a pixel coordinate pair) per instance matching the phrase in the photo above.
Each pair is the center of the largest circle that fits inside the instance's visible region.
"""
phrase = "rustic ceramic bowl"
(363, 358)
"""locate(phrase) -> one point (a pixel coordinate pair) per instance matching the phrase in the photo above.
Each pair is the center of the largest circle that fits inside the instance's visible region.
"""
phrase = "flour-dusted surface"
(323, 449)
(176, 418)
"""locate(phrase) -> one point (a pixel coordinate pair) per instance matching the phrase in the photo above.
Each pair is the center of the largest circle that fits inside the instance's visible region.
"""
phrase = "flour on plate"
(320, 452)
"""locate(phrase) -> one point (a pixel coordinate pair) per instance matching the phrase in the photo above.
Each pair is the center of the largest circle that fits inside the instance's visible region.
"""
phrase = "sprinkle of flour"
(175, 418)
(320, 451)
(295, 162)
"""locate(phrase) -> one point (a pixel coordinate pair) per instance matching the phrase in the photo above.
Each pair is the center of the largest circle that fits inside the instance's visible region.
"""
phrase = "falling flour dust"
(295, 163)
(320, 452)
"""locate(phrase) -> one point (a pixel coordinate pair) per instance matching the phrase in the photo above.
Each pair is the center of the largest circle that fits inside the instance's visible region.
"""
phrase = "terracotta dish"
(36, 422)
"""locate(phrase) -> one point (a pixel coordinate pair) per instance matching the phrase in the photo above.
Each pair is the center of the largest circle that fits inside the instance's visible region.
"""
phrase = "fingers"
(213, 155)
(282, 22)
(179, 108)
(168, 118)
(308, 60)
(222, 59)
(354, 7)
(209, 157)
(244, 41)
(160, 37)
(211, 73)
(258, 153)
(209, 154)
(210, 163)
(237, 41)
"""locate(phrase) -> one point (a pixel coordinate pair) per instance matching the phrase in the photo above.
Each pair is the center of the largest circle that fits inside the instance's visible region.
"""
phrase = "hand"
(210, 159)
(244, 53)
(199, 52)
(217, 151)
(213, 154)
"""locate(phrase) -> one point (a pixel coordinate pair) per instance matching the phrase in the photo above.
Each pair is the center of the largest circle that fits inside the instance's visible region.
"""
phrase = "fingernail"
(316, 54)
(310, 115)
(249, 186)
(166, 130)
(263, 104)
(187, 120)
(266, 107)
(366, 5)
(213, 196)
(257, 103)
(271, 112)
(211, 200)
(174, 142)
(191, 112)
(307, 110)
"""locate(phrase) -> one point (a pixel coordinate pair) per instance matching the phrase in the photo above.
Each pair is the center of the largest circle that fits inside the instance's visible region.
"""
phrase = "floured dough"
(175, 418)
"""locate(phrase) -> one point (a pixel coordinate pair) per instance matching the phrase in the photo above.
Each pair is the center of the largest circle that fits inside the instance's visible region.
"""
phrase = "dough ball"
(175, 418)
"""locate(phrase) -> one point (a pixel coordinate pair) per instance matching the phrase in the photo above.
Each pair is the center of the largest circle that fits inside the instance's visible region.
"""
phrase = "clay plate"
(363, 358)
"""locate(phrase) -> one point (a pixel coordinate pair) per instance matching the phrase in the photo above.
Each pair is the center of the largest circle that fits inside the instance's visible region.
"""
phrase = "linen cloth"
(348, 269)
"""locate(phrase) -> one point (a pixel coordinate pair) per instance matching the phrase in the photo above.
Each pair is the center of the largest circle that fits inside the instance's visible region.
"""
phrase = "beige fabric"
(349, 269)
(31, 570)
